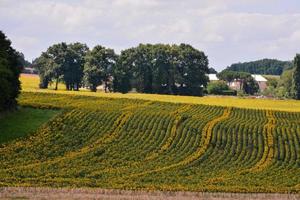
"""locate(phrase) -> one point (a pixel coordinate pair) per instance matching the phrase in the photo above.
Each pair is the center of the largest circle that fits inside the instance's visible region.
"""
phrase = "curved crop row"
(135, 144)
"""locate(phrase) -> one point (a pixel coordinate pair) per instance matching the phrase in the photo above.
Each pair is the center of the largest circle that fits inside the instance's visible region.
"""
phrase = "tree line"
(264, 66)
(287, 86)
(149, 68)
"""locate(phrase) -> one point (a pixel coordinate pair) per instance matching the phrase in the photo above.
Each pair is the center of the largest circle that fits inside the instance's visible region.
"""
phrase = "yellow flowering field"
(155, 142)
(126, 143)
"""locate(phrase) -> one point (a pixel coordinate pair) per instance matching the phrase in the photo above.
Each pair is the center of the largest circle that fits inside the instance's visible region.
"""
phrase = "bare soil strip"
(85, 193)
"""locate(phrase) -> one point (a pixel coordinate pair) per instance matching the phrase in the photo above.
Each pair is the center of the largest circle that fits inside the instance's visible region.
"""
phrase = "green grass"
(22, 122)
(271, 77)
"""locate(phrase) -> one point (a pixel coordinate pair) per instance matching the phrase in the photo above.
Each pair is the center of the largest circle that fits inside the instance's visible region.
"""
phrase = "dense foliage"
(62, 62)
(284, 87)
(264, 66)
(98, 67)
(219, 88)
(10, 69)
(247, 84)
(250, 86)
(164, 69)
(23, 61)
(212, 71)
(136, 144)
(296, 77)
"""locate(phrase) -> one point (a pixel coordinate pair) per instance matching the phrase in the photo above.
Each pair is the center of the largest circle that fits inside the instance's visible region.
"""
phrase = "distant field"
(22, 122)
(271, 77)
(138, 144)
(30, 83)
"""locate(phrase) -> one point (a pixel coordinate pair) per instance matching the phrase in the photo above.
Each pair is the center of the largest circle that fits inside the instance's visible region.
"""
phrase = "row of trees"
(159, 68)
(10, 68)
(288, 85)
(264, 66)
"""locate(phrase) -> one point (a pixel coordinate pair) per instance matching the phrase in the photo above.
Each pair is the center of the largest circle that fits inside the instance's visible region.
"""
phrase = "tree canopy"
(98, 67)
(264, 66)
(212, 71)
(248, 84)
(296, 77)
(164, 69)
(10, 68)
(62, 62)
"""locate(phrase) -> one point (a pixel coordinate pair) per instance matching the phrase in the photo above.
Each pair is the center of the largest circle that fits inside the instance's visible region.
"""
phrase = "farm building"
(29, 70)
(262, 82)
(212, 77)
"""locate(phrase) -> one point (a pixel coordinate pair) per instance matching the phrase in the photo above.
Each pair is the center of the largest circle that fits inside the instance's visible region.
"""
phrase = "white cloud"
(228, 31)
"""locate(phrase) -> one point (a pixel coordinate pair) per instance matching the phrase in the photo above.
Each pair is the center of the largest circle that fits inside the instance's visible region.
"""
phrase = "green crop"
(139, 144)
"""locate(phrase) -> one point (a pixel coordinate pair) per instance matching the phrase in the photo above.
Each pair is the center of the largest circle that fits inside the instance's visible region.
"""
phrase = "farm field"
(123, 143)
(30, 84)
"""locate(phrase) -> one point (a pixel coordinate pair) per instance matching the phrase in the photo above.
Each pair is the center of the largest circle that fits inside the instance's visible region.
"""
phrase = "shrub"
(220, 88)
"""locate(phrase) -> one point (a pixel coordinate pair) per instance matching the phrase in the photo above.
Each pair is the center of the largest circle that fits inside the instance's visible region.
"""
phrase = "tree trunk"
(93, 88)
(76, 86)
(105, 86)
(56, 84)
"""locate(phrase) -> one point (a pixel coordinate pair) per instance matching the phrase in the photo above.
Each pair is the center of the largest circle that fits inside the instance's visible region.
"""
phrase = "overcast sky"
(228, 31)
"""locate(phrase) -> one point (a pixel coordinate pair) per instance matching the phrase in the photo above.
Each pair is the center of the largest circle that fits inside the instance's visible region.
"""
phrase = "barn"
(262, 81)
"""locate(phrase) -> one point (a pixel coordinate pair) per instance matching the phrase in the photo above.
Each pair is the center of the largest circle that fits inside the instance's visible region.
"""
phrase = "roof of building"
(259, 78)
(213, 77)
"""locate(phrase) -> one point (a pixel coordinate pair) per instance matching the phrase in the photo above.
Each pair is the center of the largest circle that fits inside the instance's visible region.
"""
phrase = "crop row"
(134, 144)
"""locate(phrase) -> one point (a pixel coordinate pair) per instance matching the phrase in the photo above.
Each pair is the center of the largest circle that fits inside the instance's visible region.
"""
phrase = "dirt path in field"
(68, 194)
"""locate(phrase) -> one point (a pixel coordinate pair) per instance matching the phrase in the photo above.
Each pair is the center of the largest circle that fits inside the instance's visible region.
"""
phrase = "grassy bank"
(22, 122)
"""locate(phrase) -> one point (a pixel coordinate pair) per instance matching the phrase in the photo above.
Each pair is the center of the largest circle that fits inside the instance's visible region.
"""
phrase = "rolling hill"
(150, 145)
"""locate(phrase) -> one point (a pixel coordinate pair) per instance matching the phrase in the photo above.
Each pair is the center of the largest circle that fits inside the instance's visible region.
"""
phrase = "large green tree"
(296, 77)
(164, 64)
(62, 62)
(247, 84)
(42, 64)
(285, 84)
(74, 64)
(250, 86)
(10, 68)
(57, 55)
(192, 68)
(98, 67)
(122, 71)
(160, 68)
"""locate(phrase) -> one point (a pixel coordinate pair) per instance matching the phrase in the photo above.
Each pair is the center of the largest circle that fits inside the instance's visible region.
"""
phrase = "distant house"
(235, 85)
(212, 77)
(29, 70)
(262, 81)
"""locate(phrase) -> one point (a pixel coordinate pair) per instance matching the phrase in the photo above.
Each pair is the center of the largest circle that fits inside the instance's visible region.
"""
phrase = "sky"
(227, 31)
